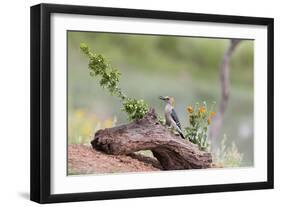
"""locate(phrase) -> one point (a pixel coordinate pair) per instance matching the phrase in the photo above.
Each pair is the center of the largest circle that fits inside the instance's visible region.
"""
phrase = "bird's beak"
(162, 98)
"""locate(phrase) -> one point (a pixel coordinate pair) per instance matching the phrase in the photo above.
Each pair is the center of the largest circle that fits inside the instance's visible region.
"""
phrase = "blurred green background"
(186, 68)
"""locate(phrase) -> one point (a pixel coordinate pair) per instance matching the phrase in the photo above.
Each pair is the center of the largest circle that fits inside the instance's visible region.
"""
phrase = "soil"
(83, 159)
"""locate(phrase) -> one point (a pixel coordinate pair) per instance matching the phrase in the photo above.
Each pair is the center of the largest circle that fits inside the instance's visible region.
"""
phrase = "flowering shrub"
(200, 117)
(109, 78)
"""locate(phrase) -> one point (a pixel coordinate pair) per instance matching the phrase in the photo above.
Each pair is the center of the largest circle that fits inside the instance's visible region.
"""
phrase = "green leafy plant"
(228, 156)
(199, 120)
(109, 78)
(135, 109)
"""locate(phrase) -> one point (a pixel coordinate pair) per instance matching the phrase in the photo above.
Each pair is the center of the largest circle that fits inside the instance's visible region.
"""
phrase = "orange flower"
(202, 109)
(189, 109)
(209, 121)
(213, 114)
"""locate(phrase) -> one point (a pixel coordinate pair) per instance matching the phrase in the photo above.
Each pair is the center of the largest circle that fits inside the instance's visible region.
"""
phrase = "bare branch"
(225, 88)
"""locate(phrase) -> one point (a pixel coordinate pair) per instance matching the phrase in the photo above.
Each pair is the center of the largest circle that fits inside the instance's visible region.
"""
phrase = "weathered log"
(172, 152)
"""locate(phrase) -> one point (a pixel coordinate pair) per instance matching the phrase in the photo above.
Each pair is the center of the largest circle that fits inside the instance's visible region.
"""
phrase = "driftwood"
(172, 152)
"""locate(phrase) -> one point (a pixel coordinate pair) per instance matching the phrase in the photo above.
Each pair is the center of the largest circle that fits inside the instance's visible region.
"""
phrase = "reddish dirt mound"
(83, 159)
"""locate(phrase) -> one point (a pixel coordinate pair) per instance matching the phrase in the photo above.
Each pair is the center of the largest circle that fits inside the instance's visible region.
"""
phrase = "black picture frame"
(41, 102)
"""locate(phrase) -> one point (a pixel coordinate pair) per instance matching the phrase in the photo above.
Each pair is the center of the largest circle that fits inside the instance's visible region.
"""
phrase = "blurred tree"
(225, 86)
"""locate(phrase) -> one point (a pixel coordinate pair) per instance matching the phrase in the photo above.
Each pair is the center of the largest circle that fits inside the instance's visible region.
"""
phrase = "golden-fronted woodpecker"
(171, 117)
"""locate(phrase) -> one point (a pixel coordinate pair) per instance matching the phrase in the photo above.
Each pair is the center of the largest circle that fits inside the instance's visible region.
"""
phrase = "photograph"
(129, 103)
(139, 103)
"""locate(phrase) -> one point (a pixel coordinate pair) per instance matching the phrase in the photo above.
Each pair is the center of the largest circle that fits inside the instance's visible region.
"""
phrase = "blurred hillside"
(183, 67)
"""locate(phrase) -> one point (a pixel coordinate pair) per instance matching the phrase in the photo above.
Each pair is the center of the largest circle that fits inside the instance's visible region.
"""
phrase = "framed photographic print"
(133, 103)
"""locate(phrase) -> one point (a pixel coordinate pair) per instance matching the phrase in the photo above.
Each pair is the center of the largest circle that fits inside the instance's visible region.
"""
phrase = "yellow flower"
(209, 121)
(202, 109)
(189, 109)
(213, 114)
(79, 113)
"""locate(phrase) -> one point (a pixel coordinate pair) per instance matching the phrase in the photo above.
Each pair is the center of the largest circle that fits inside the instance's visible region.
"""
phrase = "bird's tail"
(181, 134)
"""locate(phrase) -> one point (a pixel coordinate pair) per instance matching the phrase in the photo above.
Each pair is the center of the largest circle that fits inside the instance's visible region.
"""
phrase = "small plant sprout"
(109, 78)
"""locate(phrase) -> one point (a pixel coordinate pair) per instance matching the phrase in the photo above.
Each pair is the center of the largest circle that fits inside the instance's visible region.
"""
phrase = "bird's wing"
(175, 118)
